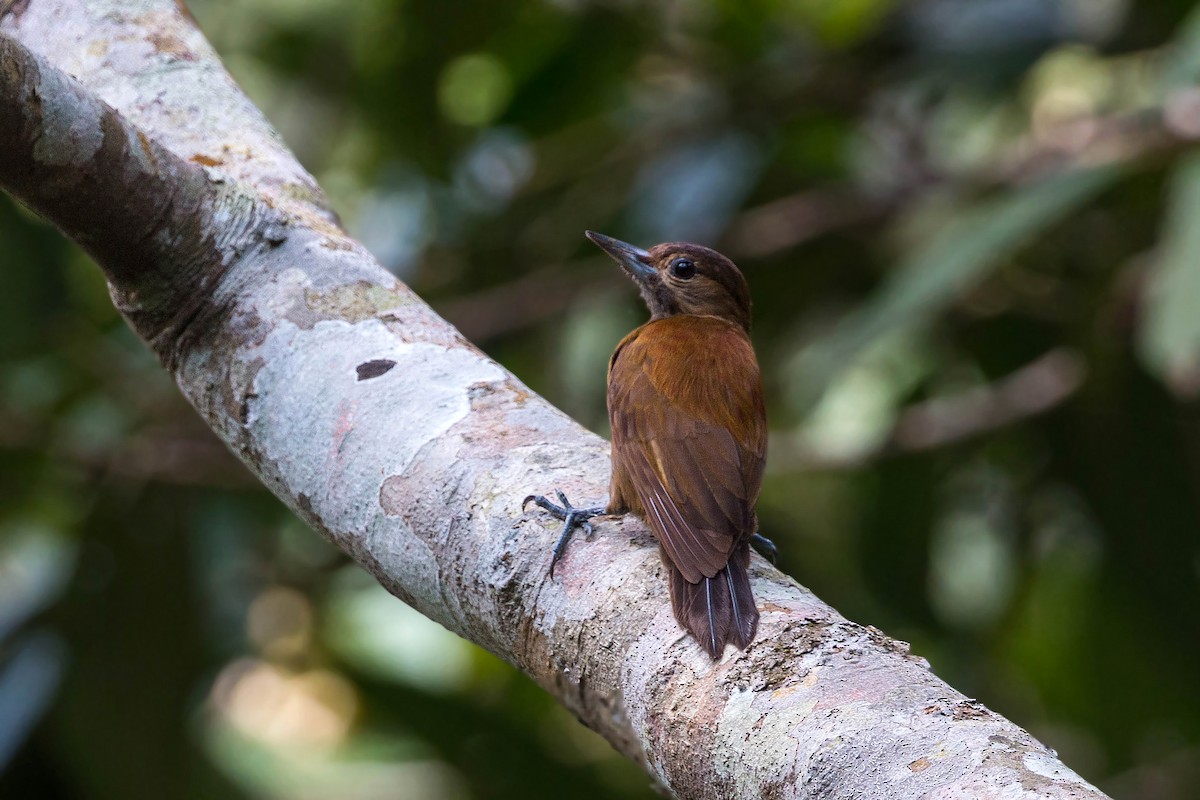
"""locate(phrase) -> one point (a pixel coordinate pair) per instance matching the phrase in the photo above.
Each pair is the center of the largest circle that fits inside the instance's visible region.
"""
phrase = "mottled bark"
(407, 447)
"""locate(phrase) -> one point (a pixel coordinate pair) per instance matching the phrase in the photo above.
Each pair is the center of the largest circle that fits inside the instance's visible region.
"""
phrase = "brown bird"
(689, 435)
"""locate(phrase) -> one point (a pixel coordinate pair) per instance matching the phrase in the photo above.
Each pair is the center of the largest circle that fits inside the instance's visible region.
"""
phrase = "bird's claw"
(765, 547)
(571, 516)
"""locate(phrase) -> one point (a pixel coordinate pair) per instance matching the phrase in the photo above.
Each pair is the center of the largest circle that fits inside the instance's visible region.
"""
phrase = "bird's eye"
(683, 268)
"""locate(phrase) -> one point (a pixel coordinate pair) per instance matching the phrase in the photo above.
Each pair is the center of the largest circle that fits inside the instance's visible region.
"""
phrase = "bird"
(689, 436)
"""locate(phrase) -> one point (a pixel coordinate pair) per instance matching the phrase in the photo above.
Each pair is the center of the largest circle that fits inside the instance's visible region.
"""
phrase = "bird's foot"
(765, 547)
(571, 516)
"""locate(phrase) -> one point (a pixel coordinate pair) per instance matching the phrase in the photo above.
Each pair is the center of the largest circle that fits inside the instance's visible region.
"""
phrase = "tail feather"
(719, 610)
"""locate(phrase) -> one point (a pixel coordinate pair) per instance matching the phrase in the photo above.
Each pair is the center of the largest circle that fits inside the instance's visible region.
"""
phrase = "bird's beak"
(634, 260)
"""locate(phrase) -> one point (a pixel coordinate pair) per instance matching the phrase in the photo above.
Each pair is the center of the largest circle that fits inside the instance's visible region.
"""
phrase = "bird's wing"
(689, 431)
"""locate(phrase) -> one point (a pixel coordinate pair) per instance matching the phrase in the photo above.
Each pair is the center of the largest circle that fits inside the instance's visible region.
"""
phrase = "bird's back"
(689, 443)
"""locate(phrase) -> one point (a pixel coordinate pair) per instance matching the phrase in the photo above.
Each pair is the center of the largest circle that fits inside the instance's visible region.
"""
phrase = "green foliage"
(1171, 333)
(940, 206)
(966, 245)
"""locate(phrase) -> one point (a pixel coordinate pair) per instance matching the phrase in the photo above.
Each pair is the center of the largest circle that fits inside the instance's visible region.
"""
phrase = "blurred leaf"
(1182, 68)
(34, 566)
(1170, 333)
(388, 771)
(505, 744)
(858, 411)
(841, 23)
(689, 192)
(381, 635)
(33, 384)
(971, 244)
(972, 559)
(28, 681)
(474, 89)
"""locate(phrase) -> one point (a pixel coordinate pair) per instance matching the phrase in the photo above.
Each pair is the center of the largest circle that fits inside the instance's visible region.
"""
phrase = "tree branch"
(265, 311)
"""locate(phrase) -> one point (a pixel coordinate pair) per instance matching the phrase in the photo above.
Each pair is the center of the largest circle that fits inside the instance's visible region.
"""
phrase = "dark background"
(972, 230)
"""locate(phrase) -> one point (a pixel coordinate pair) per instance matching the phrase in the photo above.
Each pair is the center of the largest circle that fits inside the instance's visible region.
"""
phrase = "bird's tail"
(720, 609)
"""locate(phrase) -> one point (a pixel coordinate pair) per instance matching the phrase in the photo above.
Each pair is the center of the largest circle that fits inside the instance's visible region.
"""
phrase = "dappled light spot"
(269, 703)
(474, 89)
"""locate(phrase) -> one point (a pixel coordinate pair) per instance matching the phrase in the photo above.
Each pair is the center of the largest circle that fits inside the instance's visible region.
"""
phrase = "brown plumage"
(689, 431)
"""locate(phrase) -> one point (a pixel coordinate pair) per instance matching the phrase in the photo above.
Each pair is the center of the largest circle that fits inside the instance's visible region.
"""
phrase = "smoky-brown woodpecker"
(689, 434)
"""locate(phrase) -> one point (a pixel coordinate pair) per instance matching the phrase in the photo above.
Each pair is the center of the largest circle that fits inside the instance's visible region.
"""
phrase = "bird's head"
(682, 278)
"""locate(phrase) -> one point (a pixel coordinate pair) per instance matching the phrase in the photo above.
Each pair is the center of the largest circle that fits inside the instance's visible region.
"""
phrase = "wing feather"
(690, 441)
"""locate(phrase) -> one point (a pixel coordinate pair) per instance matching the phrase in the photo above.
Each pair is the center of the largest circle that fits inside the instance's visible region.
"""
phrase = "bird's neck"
(742, 324)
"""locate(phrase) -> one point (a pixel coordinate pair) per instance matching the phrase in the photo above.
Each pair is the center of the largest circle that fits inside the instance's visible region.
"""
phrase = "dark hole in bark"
(374, 368)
